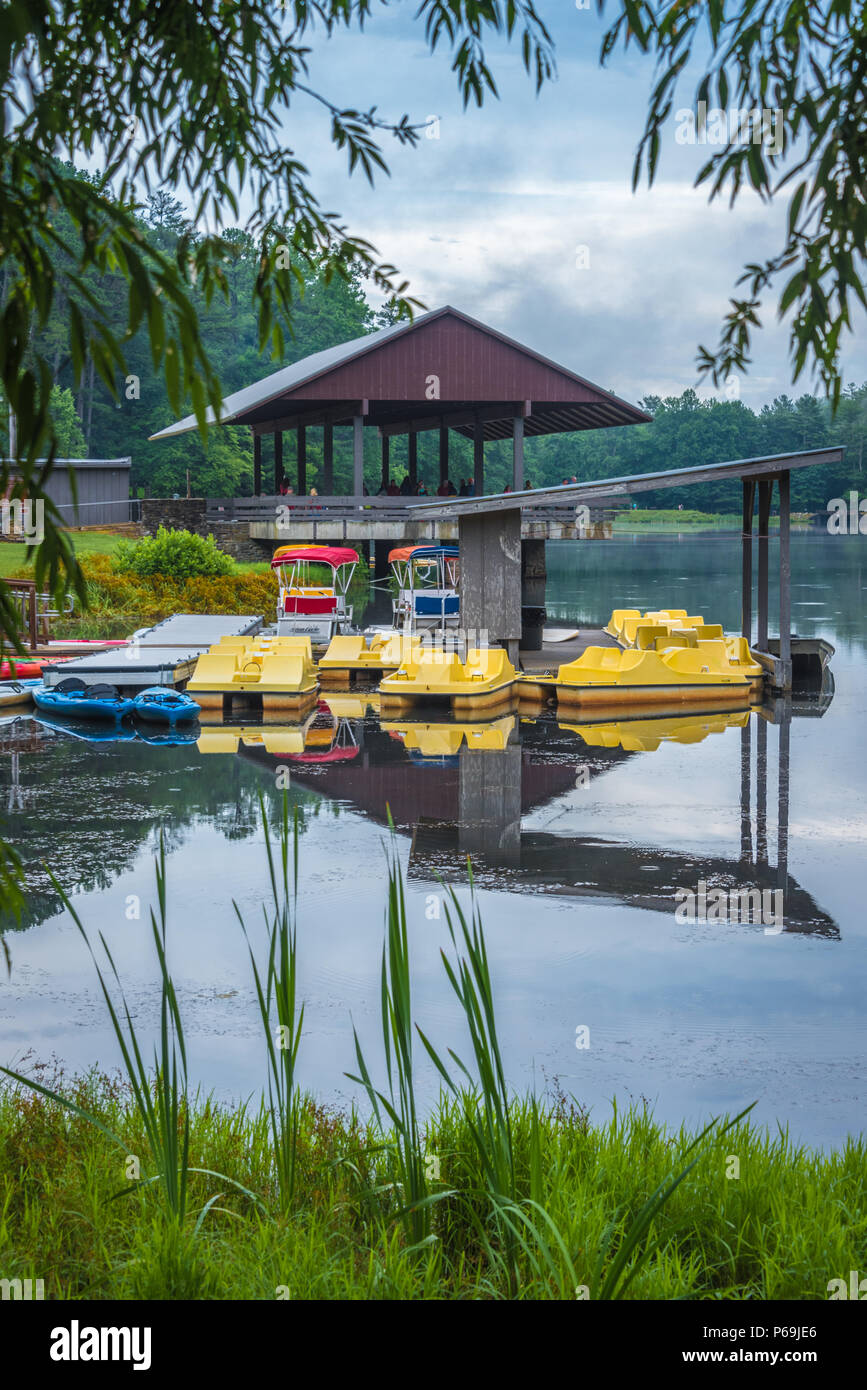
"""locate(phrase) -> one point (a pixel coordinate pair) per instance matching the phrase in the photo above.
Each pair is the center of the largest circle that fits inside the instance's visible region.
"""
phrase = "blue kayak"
(165, 706)
(72, 699)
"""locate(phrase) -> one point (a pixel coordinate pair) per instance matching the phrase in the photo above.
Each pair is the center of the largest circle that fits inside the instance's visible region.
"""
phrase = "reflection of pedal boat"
(278, 671)
(645, 735)
(312, 740)
(486, 678)
(444, 740)
(225, 738)
(352, 706)
(720, 669)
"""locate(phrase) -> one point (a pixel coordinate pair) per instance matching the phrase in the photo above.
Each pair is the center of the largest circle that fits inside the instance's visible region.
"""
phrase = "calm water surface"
(580, 836)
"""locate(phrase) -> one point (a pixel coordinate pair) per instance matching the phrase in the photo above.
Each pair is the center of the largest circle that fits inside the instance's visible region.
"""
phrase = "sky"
(522, 213)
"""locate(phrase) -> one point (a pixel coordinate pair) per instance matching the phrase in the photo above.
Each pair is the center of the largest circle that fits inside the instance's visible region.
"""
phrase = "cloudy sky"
(490, 215)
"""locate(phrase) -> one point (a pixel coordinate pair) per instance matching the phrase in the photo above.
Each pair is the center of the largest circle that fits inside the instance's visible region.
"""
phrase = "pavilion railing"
(378, 508)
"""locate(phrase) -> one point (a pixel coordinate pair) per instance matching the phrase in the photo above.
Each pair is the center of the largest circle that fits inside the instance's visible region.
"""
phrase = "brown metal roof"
(389, 376)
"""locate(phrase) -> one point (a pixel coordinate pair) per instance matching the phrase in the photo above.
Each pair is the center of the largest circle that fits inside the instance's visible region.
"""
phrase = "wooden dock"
(554, 654)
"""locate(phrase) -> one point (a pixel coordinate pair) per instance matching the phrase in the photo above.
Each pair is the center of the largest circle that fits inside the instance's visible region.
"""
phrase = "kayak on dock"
(18, 692)
(75, 700)
(163, 705)
(20, 670)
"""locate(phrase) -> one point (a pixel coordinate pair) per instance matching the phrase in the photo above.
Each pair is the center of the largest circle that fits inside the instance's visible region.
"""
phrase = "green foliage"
(185, 97)
(67, 426)
(176, 554)
(803, 62)
(690, 431)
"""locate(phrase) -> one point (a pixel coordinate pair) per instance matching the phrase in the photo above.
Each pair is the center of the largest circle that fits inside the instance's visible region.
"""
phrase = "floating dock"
(165, 654)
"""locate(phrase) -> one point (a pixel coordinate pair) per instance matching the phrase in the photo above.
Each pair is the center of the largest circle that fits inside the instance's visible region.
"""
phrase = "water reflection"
(461, 789)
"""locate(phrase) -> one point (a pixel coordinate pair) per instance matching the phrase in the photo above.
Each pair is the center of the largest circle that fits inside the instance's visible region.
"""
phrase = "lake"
(581, 837)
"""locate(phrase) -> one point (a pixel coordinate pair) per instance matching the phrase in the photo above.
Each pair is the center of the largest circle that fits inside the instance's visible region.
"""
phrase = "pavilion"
(442, 371)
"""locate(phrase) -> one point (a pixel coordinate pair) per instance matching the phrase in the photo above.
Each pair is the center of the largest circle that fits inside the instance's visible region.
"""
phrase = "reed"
(403, 1145)
(276, 993)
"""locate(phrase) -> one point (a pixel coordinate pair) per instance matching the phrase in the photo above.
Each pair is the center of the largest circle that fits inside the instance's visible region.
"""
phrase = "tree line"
(686, 430)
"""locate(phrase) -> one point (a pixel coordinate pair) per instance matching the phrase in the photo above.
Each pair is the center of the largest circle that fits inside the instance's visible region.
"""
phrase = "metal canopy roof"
(481, 376)
(569, 493)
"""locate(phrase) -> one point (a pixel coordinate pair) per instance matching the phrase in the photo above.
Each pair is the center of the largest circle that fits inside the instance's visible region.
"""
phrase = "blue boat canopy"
(434, 552)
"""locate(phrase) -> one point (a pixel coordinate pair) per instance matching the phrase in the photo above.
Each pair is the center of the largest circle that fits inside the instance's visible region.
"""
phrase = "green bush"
(177, 554)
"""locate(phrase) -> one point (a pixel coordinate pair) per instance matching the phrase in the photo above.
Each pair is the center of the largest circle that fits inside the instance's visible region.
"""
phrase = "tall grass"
(276, 993)
(404, 1146)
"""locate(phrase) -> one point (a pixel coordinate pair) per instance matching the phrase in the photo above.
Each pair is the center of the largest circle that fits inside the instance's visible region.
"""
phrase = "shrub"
(176, 554)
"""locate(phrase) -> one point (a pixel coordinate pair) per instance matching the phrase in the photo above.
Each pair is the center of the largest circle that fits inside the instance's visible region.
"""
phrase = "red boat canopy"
(332, 555)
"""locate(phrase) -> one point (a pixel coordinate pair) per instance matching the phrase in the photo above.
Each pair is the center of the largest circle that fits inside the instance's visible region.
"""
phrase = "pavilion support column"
(412, 449)
(358, 455)
(328, 460)
(257, 465)
(479, 458)
(278, 460)
(490, 580)
(749, 487)
(379, 558)
(302, 460)
(444, 453)
(386, 467)
(785, 481)
(533, 581)
(766, 487)
(518, 453)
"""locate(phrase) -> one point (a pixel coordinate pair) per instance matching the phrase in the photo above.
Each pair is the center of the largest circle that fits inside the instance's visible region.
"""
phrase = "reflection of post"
(783, 797)
(762, 792)
(746, 821)
(489, 804)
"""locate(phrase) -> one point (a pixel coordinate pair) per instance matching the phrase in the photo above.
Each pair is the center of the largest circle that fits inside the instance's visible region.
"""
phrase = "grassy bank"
(118, 603)
(790, 1223)
(139, 1187)
(670, 519)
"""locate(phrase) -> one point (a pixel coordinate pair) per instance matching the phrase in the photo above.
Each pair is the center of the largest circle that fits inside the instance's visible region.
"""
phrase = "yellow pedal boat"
(716, 670)
(351, 654)
(485, 679)
(279, 672)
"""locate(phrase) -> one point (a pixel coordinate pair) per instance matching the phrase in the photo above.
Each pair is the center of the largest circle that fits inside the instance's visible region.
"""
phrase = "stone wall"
(189, 514)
